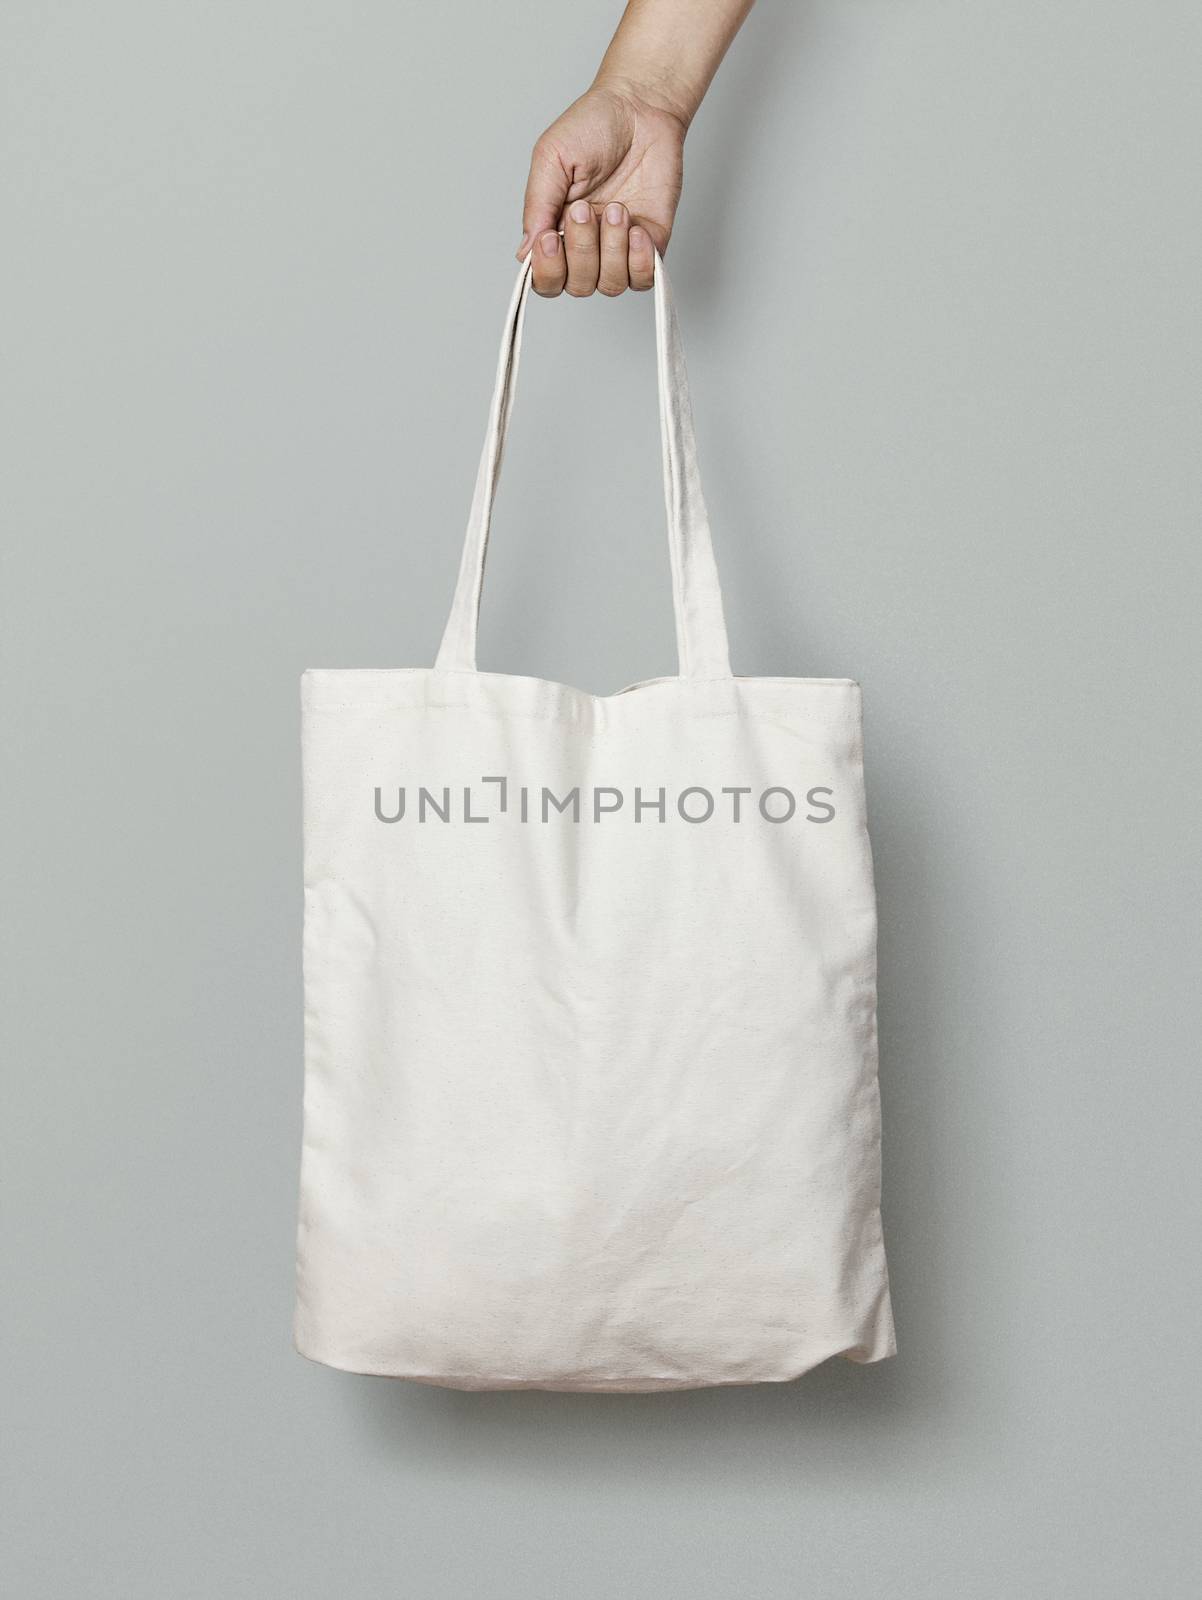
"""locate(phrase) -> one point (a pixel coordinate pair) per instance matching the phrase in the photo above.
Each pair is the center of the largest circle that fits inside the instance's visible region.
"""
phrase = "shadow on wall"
(769, 64)
(758, 1431)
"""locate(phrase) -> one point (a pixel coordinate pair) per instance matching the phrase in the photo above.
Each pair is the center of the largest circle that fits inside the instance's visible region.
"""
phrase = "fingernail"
(639, 238)
(522, 243)
(549, 243)
(615, 214)
(582, 211)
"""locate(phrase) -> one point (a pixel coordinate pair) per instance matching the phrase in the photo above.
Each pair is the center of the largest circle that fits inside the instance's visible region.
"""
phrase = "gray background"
(937, 267)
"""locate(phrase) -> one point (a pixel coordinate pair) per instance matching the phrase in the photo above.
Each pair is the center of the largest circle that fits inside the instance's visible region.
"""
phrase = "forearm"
(667, 51)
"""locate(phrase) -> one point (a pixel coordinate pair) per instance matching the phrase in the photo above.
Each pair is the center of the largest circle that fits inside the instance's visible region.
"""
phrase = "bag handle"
(696, 595)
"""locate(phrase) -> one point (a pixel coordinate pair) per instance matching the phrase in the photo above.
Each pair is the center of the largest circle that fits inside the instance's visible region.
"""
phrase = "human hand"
(608, 173)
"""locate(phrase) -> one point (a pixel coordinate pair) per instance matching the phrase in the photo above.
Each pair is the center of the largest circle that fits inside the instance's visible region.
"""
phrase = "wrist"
(655, 91)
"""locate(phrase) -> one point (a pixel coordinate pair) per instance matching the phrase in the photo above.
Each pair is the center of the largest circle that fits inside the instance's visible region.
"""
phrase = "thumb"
(546, 194)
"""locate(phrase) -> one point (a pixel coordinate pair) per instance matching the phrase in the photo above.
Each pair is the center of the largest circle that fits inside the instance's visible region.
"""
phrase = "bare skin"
(608, 172)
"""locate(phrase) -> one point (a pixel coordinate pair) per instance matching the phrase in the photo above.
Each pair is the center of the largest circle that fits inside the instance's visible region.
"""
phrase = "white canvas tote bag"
(590, 1004)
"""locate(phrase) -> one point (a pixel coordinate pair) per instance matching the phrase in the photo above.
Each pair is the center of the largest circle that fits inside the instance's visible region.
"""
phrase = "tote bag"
(590, 1003)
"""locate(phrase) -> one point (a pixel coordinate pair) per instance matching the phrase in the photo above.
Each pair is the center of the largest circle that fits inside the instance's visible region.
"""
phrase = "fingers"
(583, 248)
(550, 269)
(615, 234)
(610, 254)
(641, 259)
(546, 192)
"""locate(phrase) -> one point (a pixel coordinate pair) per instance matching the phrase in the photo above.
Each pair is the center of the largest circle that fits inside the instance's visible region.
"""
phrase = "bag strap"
(696, 595)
